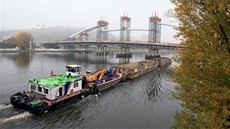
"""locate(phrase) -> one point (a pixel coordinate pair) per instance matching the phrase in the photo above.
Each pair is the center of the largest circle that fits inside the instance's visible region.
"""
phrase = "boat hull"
(107, 85)
(95, 88)
(19, 101)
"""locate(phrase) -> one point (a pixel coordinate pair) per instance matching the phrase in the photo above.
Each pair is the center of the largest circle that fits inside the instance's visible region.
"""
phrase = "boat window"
(46, 91)
(33, 87)
(78, 69)
(73, 70)
(75, 84)
(69, 69)
(60, 91)
(39, 88)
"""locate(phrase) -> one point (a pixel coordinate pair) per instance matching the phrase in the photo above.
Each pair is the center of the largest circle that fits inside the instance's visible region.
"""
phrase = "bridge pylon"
(101, 33)
(154, 29)
(125, 25)
(83, 36)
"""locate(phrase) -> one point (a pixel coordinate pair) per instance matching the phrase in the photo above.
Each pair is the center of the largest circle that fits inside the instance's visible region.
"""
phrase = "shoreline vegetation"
(203, 77)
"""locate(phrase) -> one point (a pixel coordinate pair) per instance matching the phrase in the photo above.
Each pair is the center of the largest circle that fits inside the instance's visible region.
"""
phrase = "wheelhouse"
(73, 70)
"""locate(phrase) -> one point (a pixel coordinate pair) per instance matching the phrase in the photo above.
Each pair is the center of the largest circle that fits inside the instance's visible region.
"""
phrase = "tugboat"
(47, 93)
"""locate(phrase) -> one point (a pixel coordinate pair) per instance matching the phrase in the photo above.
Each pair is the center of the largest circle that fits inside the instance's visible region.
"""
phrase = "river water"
(145, 102)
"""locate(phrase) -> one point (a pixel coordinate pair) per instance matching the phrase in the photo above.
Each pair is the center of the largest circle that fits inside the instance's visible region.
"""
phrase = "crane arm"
(94, 76)
(102, 74)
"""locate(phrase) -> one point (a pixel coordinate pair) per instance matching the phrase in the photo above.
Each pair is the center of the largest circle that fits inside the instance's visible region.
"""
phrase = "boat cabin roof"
(74, 65)
(55, 81)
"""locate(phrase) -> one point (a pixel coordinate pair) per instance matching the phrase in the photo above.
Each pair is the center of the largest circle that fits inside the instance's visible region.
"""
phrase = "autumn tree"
(203, 76)
(23, 40)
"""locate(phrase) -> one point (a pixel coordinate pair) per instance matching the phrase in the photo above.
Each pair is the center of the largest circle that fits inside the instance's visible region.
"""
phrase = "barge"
(104, 79)
(138, 69)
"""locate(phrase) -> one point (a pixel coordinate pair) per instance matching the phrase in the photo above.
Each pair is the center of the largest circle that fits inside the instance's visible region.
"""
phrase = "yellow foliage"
(23, 40)
(204, 74)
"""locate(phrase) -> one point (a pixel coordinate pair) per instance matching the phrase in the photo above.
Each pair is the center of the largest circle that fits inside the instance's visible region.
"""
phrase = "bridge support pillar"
(67, 47)
(102, 50)
(84, 49)
(153, 54)
(124, 52)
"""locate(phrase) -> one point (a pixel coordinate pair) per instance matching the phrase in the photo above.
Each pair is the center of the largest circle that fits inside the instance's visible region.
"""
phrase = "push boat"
(51, 92)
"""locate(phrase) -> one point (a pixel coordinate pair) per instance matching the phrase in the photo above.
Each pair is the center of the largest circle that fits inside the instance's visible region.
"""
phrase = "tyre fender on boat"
(45, 107)
(16, 99)
(95, 89)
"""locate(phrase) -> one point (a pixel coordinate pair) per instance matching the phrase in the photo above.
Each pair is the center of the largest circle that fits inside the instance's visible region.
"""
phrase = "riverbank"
(42, 50)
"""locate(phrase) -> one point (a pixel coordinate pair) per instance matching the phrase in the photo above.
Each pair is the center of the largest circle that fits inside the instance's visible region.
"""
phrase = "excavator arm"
(95, 75)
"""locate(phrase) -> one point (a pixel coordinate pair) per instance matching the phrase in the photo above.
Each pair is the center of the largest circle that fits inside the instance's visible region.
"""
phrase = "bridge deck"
(118, 43)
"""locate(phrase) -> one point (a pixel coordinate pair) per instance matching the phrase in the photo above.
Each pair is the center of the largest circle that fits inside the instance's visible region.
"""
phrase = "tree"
(203, 76)
(23, 40)
(8, 43)
(11, 40)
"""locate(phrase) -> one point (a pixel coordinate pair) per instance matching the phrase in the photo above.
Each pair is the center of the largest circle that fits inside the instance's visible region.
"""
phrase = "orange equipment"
(98, 75)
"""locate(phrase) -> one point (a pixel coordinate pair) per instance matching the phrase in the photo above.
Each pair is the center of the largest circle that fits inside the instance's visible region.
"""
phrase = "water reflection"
(123, 60)
(91, 58)
(21, 60)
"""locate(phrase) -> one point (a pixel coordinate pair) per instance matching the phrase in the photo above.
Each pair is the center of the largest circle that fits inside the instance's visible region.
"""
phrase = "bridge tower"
(154, 29)
(125, 25)
(83, 36)
(103, 26)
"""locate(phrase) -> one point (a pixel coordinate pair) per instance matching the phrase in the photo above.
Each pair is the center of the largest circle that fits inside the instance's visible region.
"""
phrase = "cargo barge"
(107, 79)
(138, 69)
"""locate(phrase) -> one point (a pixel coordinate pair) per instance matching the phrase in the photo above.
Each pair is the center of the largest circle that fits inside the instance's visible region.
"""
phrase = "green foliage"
(23, 40)
(8, 43)
(204, 72)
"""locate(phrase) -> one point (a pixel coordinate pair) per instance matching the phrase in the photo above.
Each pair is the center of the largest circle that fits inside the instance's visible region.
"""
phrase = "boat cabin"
(55, 87)
(73, 70)
(88, 72)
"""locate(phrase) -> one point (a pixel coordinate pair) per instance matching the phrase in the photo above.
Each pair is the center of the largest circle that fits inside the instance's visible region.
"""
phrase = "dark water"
(141, 103)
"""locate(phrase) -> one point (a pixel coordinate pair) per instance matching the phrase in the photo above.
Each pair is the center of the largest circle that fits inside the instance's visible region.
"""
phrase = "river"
(145, 102)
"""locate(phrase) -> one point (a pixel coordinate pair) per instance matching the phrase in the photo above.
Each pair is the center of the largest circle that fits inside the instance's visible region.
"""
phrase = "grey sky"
(25, 14)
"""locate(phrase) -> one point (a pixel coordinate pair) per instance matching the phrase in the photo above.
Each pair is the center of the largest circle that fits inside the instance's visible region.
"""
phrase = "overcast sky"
(26, 14)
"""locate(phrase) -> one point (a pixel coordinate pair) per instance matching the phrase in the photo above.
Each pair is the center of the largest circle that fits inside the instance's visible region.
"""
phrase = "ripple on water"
(14, 119)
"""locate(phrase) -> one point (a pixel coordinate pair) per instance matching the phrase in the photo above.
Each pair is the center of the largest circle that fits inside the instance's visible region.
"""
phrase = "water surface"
(144, 102)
